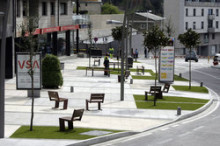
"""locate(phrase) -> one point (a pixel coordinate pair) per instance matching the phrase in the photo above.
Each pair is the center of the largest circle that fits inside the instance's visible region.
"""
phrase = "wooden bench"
(97, 69)
(77, 116)
(140, 69)
(154, 90)
(95, 98)
(114, 64)
(166, 88)
(54, 96)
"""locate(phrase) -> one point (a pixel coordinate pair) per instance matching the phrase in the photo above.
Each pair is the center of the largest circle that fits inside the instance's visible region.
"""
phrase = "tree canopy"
(189, 39)
(110, 9)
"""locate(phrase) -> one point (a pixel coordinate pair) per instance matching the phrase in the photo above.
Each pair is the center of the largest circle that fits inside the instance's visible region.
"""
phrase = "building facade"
(91, 6)
(9, 52)
(55, 24)
(202, 16)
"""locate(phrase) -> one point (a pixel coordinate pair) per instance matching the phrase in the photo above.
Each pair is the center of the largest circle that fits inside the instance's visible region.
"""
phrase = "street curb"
(103, 138)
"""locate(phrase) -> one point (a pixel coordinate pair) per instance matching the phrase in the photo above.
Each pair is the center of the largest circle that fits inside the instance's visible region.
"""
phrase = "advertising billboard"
(23, 79)
(166, 65)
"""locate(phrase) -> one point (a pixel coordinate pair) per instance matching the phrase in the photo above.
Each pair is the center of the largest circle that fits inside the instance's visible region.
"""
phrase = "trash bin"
(130, 61)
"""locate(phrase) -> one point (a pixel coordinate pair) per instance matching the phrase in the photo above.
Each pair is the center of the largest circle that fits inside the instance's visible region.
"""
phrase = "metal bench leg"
(62, 124)
(57, 104)
(92, 72)
(70, 125)
(87, 105)
(99, 105)
(65, 103)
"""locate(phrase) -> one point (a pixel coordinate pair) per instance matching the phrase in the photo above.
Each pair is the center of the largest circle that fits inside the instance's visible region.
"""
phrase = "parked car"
(216, 59)
(191, 56)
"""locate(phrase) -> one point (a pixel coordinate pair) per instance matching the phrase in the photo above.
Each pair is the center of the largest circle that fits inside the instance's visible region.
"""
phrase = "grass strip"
(52, 132)
(152, 77)
(193, 89)
(169, 103)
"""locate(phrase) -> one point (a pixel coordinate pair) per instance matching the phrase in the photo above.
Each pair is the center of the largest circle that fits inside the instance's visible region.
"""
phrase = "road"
(200, 130)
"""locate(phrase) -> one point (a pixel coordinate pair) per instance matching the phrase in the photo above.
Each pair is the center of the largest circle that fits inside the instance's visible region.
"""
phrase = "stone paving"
(115, 114)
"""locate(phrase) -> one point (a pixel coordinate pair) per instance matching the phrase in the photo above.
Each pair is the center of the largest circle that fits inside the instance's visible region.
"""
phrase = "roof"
(151, 16)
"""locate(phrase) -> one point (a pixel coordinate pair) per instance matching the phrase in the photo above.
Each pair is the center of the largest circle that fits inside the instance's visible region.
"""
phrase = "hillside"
(155, 5)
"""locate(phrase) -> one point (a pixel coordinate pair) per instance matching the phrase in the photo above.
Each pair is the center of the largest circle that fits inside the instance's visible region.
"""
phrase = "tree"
(154, 40)
(110, 9)
(169, 28)
(189, 39)
(29, 43)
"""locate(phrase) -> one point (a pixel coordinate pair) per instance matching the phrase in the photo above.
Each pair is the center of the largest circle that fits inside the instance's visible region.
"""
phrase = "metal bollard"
(178, 111)
(146, 96)
(131, 81)
(201, 84)
(71, 89)
(180, 75)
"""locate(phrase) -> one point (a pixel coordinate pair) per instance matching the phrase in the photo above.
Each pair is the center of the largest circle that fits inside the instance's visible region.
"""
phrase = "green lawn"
(52, 132)
(152, 77)
(193, 89)
(176, 78)
(169, 103)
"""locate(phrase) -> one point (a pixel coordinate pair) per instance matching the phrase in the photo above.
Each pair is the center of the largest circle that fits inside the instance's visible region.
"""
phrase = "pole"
(77, 31)
(2, 67)
(126, 51)
(122, 52)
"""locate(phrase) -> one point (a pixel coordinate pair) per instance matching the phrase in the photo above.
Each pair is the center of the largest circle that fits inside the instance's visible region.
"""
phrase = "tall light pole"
(122, 52)
(77, 30)
(4, 18)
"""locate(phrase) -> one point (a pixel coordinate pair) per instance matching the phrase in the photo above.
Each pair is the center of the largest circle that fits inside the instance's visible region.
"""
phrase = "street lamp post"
(4, 17)
(2, 78)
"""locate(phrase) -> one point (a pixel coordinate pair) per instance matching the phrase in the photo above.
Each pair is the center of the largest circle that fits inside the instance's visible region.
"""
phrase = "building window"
(210, 23)
(194, 12)
(213, 36)
(44, 9)
(194, 25)
(217, 12)
(186, 11)
(186, 25)
(18, 11)
(216, 24)
(63, 7)
(210, 11)
(202, 12)
(24, 11)
(52, 8)
(86, 4)
(202, 25)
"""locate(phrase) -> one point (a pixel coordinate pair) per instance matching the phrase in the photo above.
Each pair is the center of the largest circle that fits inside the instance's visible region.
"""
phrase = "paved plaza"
(115, 114)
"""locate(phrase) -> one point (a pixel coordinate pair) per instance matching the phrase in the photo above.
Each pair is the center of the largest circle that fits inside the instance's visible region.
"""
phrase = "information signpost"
(166, 65)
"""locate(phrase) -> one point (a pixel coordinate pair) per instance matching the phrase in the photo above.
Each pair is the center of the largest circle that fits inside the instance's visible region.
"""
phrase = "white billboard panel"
(23, 67)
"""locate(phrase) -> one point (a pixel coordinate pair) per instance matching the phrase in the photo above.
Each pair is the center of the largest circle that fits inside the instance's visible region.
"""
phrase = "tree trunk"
(32, 91)
(155, 97)
(190, 69)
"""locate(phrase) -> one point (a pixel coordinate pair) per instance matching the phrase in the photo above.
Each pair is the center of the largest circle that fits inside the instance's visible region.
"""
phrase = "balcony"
(211, 30)
(211, 17)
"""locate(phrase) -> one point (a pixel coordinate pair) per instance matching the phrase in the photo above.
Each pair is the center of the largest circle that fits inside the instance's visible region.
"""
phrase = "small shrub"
(51, 74)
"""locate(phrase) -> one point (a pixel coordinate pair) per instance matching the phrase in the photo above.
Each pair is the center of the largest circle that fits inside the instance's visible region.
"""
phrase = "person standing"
(106, 64)
(145, 52)
(136, 53)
